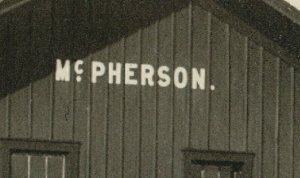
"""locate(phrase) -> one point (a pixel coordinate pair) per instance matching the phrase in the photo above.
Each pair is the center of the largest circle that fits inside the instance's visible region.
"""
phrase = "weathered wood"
(115, 137)
(19, 166)
(270, 114)
(219, 111)
(149, 104)
(201, 21)
(238, 91)
(99, 120)
(255, 107)
(55, 168)
(63, 118)
(19, 54)
(132, 113)
(37, 166)
(165, 101)
(41, 37)
(286, 113)
(296, 126)
(181, 98)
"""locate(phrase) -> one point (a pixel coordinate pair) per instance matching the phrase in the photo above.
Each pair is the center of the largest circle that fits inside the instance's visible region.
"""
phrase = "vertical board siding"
(37, 167)
(19, 166)
(19, 34)
(140, 131)
(238, 93)
(165, 100)
(3, 55)
(255, 108)
(181, 96)
(148, 105)
(63, 104)
(296, 123)
(132, 115)
(270, 114)
(285, 138)
(98, 121)
(41, 39)
(115, 118)
(219, 111)
(200, 59)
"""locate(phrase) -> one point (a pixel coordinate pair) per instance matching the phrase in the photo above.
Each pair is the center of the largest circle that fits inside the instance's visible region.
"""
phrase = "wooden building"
(157, 89)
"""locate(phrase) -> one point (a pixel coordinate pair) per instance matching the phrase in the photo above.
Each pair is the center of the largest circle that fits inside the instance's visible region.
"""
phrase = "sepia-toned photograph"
(149, 89)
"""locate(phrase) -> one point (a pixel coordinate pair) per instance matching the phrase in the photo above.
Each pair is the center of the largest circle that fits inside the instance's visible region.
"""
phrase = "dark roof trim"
(8, 5)
(275, 19)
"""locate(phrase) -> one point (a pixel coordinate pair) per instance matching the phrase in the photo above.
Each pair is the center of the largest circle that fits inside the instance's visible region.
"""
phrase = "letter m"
(62, 71)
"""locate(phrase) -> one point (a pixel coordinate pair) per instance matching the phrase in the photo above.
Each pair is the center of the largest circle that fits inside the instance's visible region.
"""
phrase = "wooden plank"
(37, 166)
(132, 109)
(19, 166)
(99, 116)
(225, 172)
(82, 94)
(296, 126)
(238, 91)
(270, 113)
(115, 117)
(4, 79)
(285, 152)
(41, 36)
(200, 59)
(165, 101)
(19, 30)
(63, 91)
(255, 106)
(182, 57)
(148, 104)
(54, 167)
(219, 111)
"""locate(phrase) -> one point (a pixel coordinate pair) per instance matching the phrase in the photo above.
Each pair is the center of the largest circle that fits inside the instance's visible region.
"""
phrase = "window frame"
(70, 150)
(210, 157)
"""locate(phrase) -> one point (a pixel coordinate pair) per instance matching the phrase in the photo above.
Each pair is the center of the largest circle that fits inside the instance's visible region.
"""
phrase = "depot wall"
(138, 131)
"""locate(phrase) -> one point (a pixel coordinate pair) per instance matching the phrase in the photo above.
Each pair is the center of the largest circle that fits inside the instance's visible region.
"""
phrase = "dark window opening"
(207, 164)
(34, 158)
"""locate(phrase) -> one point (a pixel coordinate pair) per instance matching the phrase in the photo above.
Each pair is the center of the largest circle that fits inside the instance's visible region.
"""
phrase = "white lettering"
(198, 79)
(147, 73)
(164, 78)
(77, 67)
(129, 73)
(180, 72)
(114, 73)
(62, 72)
(98, 69)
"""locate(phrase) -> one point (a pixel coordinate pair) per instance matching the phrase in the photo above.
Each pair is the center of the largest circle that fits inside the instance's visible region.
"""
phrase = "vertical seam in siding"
(173, 88)
(292, 116)
(140, 37)
(293, 89)
(157, 96)
(73, 86)
(30, 102)
(51, 97)
(88, 129)
(123, 108)
(51, 106)
(190, 57)
(29, 113)
(46, 166)
(208, 93)
(278, 101)
(28, 166)
(262, 109)
(246, 89)
(228, 58)
(8, 107)
(107, 120)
